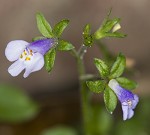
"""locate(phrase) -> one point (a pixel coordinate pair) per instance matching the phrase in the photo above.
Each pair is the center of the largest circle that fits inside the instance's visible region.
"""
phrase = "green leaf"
(86, 30)
(96, 86)
(50, 59)
(61, 130)
(15, 105)
(126, 83)
(110, 99)
(37, 38)
(60, 27)
(64, 46)
(43, 26)
(115, 34)
(118, 67)
(102, 67)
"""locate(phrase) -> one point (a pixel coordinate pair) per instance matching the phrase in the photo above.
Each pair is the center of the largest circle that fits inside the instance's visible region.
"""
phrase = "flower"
(116, 27)
(28, 56)
(128, 100)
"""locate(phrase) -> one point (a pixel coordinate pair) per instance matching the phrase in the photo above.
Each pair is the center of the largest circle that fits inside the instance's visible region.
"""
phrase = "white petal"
(116, 27)
(35, 64)
(130, 113)
(125, 110)
(135, 101)
(16, 68)
(114, 85)
(14, 49)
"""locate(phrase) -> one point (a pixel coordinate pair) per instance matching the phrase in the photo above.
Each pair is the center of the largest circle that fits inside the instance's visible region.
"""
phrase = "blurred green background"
(34, 105)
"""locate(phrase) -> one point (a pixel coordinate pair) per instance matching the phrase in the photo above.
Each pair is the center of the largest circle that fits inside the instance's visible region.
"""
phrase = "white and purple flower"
(28, 56)
(128, 100)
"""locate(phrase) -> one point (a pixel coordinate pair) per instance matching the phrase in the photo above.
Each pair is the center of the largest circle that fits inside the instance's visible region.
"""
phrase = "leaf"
(50, 59)
(96, 86)
(62, 130)
(102, 67)
(126, 83)
(86, 30)
(110, 99)
(43, 26)
(15, 105)
(64, 46)
(60, 27)
(37, 38)
(115, 34)
(118, 67)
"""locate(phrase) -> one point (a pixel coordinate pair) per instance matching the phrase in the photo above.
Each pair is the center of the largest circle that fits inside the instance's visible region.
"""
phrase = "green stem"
(83, 88)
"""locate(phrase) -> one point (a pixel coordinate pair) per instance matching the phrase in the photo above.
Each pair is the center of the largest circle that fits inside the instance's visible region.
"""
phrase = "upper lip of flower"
(128, 100)
(28, 56)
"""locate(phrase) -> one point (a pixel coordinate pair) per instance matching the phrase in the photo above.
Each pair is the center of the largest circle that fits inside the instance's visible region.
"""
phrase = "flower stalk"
(85, 96)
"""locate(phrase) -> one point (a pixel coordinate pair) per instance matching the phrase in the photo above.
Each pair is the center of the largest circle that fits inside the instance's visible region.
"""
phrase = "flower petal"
(35, 64)
(130, 113)
(114, 85)
(125, 110)
(14, 49)
(16, 68)
(135, 101)
(42, 46)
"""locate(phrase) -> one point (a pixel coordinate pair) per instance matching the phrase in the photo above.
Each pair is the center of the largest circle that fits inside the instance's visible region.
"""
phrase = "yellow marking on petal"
(27, 58)
(31, 52)
(21, 56)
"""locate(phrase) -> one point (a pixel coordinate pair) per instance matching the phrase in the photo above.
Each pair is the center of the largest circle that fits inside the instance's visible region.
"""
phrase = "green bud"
(109, 28)
(87, 36)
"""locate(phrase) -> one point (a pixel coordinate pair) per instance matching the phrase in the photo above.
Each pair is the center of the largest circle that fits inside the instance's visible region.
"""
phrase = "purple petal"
(135, 101)
(42, 46)
(130, 113)
(125, 95)
(122, 94)
(35, 64)
(125, 110)
(113, 84)
(14, 49)
(16, 68)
